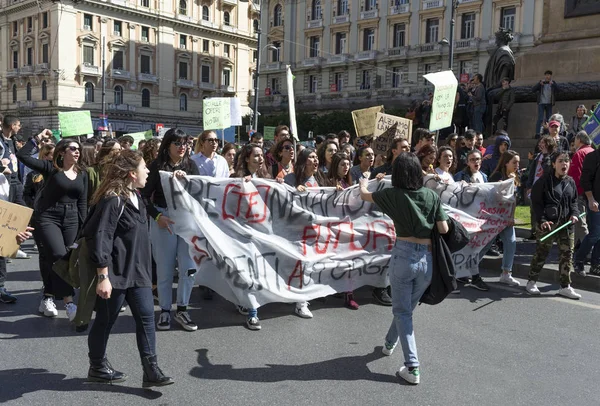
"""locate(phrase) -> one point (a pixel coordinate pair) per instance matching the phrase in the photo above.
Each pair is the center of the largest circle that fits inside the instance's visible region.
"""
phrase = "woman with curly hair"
(284, 155)
(150, 150)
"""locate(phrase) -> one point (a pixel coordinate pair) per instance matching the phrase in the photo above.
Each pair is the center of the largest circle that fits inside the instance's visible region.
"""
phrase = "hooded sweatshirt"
(489, 165)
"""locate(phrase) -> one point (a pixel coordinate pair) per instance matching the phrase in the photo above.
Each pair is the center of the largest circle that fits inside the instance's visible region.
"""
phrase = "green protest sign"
(56, 135)
(269, 133)
(137, 137)
(216, 113)
(74, 123)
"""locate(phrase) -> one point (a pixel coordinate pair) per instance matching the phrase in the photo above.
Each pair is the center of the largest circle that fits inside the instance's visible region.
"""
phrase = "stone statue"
(502, 61)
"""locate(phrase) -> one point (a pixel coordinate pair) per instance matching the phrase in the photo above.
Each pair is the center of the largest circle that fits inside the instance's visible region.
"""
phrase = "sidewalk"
(549, 274)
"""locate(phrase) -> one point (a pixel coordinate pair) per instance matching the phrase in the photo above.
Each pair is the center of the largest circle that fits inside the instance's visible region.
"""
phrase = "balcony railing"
(400, 51)
(342, 58)
(184, 17)
(366, 55)
(228, 88)
(208, 24)
(120, 74)
(119, 2)
(207, 86)
(121, 107)
(429, 47)
(429, 4)
(400, 9)
(88, 69)
(315, 61)
(41, 68)
(185, 83)
(341, 19)
(26, 104)
(12, 73)
(26, 70)
(229, 28)
(273, 66)
(314, 23)
(231, 2)
(147, 78)
(369, 14)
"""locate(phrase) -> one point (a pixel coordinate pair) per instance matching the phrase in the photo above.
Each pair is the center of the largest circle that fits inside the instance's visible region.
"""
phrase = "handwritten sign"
(75, 123)
(137, 137)
(383, 122)
(216, 113)
(364, 120)
(269, 133)
(382, 143)
(14, 219)
(442, 107)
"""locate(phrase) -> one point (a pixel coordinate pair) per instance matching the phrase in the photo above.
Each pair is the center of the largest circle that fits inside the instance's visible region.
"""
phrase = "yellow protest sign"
(364, 120)
(14, 219)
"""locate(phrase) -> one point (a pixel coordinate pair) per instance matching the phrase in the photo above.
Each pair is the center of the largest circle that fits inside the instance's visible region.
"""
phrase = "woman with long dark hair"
(88, 155)
(325, 152)
(59, 212)
(108, 149)
(168, 248)
(427, 156)
(363, 164)
(34, 181)
(284, 156)
(229, 152)
(119, 246)
(415, 210)
(472, 172)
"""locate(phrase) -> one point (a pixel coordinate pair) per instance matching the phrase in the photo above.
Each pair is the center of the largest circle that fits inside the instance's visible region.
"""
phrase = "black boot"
(101, 371)
(153, 376)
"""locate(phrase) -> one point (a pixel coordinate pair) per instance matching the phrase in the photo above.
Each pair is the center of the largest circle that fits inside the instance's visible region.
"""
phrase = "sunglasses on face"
(179, 144)
(72, 148)
(211, 140)
(287, 147)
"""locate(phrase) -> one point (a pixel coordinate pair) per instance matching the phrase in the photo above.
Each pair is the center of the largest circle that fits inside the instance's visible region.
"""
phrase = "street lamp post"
(257, 76)
(455, 4)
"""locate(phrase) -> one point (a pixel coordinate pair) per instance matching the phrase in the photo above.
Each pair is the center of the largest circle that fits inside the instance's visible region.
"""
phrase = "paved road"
(479, 348)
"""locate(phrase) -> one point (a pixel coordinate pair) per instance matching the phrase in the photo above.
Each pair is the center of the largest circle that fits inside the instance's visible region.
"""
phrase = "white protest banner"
(442, 107)
(216, 113)
(484, 209)
(364, 120)
(260, 241)
(385, 121)
(291, 102)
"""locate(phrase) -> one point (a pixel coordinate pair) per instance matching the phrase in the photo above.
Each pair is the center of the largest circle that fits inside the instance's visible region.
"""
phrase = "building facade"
(161, 59)
(356, 53)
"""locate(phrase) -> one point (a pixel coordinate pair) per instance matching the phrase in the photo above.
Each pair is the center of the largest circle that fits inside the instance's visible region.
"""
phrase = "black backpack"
(443, 279)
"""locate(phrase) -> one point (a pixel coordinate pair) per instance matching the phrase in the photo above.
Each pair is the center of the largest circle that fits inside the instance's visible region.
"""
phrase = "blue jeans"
(166, 249)
(477, 122)
(410, 274)
(509, 247)
(141, 303)
(591, 240)
(544, 113)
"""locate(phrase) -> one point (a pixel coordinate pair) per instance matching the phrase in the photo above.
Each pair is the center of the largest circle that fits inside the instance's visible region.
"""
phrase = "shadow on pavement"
(352, 368)
(19, 382)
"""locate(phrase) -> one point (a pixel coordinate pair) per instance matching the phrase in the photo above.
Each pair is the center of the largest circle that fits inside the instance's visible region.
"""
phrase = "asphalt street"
(500, 347)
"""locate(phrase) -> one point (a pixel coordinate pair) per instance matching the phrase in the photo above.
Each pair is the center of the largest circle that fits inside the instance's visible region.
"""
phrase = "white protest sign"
(235, 108)
(442, 107)
(216, 113)
(291, 102)
(259, 242)
(484, 209)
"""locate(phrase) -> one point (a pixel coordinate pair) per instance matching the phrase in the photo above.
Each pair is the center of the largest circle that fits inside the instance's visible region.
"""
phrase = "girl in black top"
(119, 246)
(59, 211)
(167, 247)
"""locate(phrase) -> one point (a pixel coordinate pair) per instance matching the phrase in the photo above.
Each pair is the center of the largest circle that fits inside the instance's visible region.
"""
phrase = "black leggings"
(55, 230)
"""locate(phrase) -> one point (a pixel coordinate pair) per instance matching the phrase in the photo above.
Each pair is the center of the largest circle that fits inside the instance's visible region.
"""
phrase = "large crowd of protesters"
(108, 191)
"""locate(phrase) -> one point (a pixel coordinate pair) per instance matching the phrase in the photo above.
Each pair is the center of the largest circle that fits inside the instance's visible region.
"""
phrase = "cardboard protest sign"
(442, 107)
(385, 121)
(14, 219)
(364, 120)
(216, 113)
(75, 123)
(382, 143)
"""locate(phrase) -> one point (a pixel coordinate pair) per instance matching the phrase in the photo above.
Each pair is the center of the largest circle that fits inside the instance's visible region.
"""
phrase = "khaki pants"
(581, 228)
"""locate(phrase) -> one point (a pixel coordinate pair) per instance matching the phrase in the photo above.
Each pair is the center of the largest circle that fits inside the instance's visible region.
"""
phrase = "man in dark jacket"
(462, 152)
(590, 183)
(505, 103)
(546, 91)
(479, 103)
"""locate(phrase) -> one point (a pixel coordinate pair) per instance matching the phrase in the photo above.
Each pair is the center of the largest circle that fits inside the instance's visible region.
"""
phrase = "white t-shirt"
(446, 177)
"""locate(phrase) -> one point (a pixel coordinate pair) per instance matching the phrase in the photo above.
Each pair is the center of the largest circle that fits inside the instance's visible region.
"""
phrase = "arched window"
(278, 20)
(205, 13)
(226, 18)
(14, 93)
(183, 102)
(89, 92)
(255, 25)
(28, 91)
(145, 98)
(316, 10)
(44, 90)
(183, 7)
(118, 95)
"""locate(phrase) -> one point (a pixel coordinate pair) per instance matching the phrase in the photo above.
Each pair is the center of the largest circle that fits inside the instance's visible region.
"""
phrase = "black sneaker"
(253, 323)
(595, 270)
(580, 268)
(6, 296)
(183, 318)
(464, 280)
(478, 284)
(493, 251)
(382, 297)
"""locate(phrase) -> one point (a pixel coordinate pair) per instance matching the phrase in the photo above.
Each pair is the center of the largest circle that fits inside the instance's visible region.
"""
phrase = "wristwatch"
(101, 277)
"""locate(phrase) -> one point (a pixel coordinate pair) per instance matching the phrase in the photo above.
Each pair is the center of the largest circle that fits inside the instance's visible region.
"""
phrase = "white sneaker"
(22, 255)
(507, 279)
(412, 377)
(47, 307)
(71, 309)
(302, 310)
(532, 289)
(388, 349)
(568, 292)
